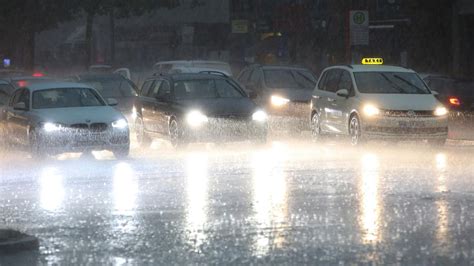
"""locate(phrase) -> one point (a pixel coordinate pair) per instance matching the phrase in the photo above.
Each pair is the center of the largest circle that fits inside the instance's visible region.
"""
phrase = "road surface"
(291, 202)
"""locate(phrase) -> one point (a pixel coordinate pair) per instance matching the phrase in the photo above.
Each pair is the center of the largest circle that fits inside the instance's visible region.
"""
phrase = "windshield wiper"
(393, 84)
(418, 89)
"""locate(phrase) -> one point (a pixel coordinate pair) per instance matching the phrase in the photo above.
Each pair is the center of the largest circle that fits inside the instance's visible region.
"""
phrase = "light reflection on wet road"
(285, 203)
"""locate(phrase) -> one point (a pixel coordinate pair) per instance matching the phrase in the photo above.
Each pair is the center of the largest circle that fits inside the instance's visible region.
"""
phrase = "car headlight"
(120, 124)
(371, 110)
(196, 118)
(440, 111)
(260, 116)
(51, 127)
(279, 101)
(134, 113)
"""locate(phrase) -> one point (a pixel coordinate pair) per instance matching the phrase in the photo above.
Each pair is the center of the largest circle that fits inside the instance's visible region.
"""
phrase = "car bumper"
(226, 130)
(69, 141)
(406, 128)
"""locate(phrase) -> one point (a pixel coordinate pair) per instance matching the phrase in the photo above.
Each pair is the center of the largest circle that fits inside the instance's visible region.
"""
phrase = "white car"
(194, 66)
(57, 117)
(377, 102)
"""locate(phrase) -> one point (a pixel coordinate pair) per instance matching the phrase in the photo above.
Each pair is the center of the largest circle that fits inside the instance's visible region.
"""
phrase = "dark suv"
(284, 91)
(197, 108)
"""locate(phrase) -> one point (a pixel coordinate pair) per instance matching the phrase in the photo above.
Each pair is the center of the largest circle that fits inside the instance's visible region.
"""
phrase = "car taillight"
(38, 75)
(454, 101)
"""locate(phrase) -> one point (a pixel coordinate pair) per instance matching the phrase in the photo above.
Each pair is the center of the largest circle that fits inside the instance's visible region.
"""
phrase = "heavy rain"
(189, 132)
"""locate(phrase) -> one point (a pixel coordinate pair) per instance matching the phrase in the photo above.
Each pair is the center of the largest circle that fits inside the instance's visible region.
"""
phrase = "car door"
(162, 107)
(342, 105)
(149, 103)
(17, 119)
(330, 113)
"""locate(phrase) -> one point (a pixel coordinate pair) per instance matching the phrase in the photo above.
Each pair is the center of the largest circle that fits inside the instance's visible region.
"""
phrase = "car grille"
(394, 113)
(94, 128)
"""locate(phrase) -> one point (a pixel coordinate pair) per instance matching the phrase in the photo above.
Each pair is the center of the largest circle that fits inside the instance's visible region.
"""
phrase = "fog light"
(196, 118)
(440, 111)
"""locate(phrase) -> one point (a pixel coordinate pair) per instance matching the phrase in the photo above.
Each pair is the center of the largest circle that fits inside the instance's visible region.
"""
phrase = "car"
(6, 89)
(376, 102)
(114, 86)
(284, 91)
(458, 95)
(192, 66)
(187, 108)
(58, 117)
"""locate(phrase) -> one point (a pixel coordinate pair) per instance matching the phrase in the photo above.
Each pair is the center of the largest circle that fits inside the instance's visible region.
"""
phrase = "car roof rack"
(213, 73)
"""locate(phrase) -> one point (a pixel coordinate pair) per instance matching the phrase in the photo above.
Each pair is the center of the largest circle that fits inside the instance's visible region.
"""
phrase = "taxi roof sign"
(372, 61)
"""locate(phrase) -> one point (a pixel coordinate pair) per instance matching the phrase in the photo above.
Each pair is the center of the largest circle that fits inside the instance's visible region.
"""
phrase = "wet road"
(288, 203)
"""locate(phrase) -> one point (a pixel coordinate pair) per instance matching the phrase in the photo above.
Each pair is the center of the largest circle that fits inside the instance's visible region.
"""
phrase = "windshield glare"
(205, 89)
(390, 83)
(289, 79)
(112, 88)
(66, 97)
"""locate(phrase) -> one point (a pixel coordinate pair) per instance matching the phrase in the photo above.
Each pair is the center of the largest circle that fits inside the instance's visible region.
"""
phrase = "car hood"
(220, 107)
(295, 95)
(75, 115)
(415, 102)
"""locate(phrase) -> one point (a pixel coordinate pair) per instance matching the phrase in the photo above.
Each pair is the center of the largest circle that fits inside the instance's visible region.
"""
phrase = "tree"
(21, 20)
(116, 9)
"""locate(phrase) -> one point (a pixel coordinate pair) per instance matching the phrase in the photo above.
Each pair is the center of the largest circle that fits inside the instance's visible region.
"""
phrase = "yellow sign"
(372, 61)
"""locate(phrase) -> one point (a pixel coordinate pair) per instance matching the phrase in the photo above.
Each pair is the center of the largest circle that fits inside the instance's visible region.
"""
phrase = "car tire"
(36, 147)
(142, 138)
(316, 128)
(437, 142)
(176, 135)
(355, 131)
(121, 153)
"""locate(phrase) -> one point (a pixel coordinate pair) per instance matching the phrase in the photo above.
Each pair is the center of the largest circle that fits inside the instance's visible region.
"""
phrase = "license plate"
(411, 124)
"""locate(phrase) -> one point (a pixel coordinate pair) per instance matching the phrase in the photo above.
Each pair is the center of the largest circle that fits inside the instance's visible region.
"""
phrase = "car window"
(164, 89)
(304, 79)
(25, 98)
(195, 89)
(153, 92)
(322, 81)
(390, 83)
(5, 91)
(345, 82)
(332, 80)
(146, 87)
(66, 97)
(255, 77)
(15, 98)
(226, 90)
(244, 77)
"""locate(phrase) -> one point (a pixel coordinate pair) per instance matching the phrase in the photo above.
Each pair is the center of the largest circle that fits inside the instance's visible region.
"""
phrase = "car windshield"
(289, 79)
(206, 89)
(112, 88)
(66, 97)
(390, 83)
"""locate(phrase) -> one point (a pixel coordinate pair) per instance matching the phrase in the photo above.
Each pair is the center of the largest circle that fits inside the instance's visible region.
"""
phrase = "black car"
(458, 95)
(284, 91)
(114, 86)
(197, 108)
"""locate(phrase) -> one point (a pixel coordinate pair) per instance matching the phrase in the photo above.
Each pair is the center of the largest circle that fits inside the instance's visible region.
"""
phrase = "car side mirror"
(342, 93)
(20, 106)
(112, 101)
(435, 93)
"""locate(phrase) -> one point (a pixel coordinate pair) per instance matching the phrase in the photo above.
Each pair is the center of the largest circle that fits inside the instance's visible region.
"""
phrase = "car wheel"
(316, 127)
(142, 139)
(437, 142)
(36, 147)
(176, 135)
(355, 131)
(121, 153)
